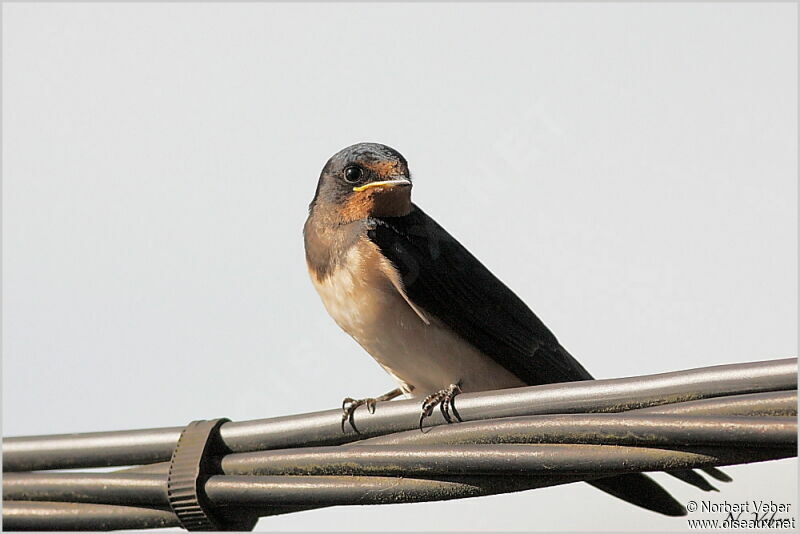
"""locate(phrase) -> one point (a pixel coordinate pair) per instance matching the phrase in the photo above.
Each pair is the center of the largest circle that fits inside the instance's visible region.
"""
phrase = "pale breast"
(356, 291)
(364, 296)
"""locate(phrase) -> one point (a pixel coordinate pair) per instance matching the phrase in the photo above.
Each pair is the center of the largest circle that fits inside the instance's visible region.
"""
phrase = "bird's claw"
(349, 406)
(445, 399)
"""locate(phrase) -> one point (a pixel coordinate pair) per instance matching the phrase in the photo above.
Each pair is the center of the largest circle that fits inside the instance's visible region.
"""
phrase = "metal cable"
(671, 422)
(134, 447)
(29, 515)
(442, 460)
(266, 492)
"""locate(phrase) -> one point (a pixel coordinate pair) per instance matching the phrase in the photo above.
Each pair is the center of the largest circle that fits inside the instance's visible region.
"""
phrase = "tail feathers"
(641, 490)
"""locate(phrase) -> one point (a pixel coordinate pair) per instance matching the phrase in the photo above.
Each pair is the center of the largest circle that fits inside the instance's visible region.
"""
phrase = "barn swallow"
(425, 308)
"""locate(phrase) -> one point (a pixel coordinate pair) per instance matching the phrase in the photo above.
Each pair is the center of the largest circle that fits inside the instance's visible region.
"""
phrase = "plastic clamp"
(192, 464)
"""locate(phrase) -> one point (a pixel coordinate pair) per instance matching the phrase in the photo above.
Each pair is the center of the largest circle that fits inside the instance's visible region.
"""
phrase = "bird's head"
(364, 180)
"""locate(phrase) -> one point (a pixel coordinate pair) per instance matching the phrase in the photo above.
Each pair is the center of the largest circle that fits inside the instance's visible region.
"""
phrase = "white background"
(629, 170)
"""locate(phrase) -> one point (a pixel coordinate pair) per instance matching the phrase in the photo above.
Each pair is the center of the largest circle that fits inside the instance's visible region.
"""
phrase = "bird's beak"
(399, 182)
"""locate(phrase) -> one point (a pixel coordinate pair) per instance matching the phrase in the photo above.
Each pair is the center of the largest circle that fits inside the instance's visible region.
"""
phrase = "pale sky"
(629, 170)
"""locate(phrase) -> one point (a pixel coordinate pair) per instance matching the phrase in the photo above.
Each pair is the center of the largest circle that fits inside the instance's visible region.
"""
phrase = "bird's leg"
(445, 399)
(349, 405)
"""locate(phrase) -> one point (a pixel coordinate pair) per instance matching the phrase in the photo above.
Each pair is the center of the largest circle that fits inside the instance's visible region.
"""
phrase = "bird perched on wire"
(425, 308)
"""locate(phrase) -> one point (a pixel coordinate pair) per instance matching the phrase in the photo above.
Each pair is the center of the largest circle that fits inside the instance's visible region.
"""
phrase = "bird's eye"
(352, 174)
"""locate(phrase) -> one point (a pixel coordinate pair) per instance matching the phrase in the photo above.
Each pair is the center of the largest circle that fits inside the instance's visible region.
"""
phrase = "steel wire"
(103, 449)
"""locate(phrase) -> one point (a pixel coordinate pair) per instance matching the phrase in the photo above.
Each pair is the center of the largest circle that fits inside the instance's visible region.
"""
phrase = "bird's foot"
(445, 399)
(350, 404)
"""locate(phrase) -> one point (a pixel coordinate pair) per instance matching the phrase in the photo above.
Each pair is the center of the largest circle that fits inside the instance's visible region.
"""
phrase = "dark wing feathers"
(442, 278)
(446, 281)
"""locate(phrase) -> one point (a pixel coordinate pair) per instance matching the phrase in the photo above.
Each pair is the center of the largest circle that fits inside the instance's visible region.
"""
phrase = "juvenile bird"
(425, 308)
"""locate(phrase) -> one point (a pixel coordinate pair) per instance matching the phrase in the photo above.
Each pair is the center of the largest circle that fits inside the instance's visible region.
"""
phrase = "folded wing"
(443, 279)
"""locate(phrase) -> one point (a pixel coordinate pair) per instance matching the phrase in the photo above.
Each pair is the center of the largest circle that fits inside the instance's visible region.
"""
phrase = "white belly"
(424, 358)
